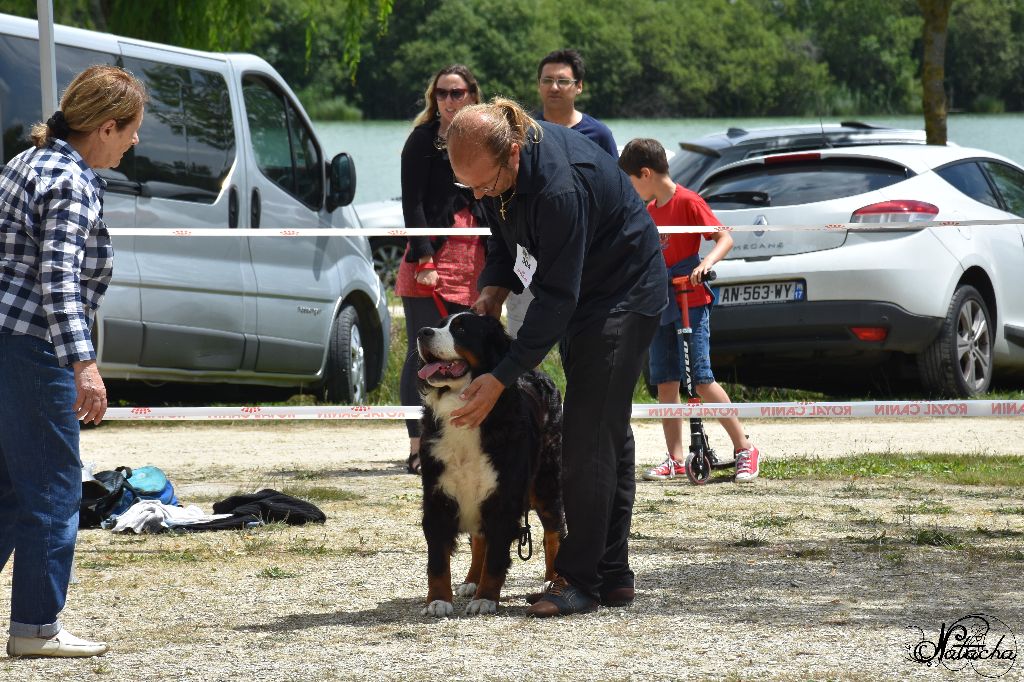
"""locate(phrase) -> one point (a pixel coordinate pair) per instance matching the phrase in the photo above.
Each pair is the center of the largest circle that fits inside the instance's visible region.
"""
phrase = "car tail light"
(898, 211)
(870, 333)
(789, 158)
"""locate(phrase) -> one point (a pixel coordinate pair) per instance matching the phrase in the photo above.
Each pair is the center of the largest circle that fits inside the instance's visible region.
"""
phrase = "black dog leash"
(525, 539)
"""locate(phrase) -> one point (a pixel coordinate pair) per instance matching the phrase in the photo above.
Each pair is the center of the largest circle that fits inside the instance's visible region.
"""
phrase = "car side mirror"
(341, 182)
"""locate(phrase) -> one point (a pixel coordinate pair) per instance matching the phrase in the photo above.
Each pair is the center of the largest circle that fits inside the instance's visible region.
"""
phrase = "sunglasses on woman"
(455, 93)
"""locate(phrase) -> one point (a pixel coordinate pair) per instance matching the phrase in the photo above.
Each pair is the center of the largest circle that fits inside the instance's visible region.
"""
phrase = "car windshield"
(800, 182)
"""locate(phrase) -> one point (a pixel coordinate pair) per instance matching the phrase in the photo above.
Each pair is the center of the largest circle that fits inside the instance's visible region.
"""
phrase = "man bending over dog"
(566, 222)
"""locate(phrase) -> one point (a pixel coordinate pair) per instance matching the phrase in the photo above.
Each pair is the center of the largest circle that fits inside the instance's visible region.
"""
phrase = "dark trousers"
(602, 365)
(419, 313)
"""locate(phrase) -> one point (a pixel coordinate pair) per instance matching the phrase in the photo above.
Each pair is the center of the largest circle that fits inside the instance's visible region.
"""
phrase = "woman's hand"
(427, 278)
(91, 401)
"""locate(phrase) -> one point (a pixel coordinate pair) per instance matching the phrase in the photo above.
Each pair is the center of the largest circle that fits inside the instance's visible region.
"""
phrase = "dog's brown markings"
(439, 587)
(476, 565)
(552, 538)
(490, 585)
(469, 356)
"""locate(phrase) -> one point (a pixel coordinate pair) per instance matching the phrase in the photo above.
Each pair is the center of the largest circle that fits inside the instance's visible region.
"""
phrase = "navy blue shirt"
(596, 247)
(596, 131)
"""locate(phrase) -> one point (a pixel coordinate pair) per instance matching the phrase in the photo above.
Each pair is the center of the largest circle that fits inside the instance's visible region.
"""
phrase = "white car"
(944, 301)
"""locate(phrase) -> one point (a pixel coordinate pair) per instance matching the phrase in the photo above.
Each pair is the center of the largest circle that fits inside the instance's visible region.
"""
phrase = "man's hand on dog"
(480, 396)
(490, 301)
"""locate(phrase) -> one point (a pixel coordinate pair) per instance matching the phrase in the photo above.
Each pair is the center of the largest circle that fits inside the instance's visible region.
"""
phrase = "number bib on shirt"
(525, 265)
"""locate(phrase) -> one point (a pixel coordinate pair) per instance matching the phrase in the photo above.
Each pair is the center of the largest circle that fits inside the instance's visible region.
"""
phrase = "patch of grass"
(321, 493)
(926, 507)
(307, 547)
(998, 533)
(934, 537)
(994, 470)
(749, 541)
(878, 539)
(274, 573)
(894, 559)
(811, 553)
(769, 520)
(1010, 510)
(1015, 554)
(185, 556)
(868, 521)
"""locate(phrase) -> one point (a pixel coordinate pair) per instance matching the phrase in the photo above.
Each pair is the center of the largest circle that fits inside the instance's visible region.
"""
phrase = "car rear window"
(799, 182)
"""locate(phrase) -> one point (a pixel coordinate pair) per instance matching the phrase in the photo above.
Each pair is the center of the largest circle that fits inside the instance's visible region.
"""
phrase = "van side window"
(283, 144)
(20, 100)
(187, 142)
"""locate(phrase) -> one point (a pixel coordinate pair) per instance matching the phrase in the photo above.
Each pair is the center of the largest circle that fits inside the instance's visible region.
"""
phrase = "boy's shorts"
(667, 351)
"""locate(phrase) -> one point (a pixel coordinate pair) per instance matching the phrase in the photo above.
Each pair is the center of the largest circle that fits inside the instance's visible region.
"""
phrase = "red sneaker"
(747, 462)
(670, 468)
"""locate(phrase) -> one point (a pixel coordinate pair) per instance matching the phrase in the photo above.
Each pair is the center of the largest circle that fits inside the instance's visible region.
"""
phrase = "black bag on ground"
(100, 496)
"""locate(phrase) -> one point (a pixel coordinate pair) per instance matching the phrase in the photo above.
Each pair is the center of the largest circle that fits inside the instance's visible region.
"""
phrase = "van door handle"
(233, 207)
(254, 209)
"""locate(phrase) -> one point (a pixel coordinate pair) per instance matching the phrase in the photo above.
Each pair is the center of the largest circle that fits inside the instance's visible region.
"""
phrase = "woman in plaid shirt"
(55, 263)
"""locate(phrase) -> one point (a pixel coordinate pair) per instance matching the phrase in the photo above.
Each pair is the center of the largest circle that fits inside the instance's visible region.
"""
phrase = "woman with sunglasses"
(438, 275)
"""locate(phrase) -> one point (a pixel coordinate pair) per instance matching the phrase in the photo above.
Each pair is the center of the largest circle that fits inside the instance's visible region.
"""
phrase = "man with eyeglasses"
(559, 82)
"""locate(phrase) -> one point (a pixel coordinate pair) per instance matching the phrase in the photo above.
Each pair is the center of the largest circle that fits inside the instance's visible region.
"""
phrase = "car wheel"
(959, 361)
(387, 256)
(345, 380)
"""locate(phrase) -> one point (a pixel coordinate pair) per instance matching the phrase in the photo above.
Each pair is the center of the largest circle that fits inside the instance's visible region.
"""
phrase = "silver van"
(225, 143)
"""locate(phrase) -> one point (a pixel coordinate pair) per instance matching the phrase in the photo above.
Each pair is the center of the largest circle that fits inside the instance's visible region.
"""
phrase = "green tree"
(984, 56)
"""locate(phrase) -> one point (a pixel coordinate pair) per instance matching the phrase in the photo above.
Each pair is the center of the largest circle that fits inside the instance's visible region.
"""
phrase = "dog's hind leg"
(552, 523)
(478, 546)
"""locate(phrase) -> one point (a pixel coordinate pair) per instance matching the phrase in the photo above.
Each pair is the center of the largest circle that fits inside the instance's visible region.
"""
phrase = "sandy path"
(195, 446)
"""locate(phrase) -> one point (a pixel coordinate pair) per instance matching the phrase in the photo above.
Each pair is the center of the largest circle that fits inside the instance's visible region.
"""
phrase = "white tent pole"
(47, 57)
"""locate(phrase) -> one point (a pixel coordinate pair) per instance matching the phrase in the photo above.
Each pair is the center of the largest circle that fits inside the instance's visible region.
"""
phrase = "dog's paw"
(481, 607)
(439, 609)
(466, 589)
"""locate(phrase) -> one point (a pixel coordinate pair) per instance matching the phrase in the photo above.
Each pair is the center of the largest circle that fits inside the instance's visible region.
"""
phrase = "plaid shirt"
(55, 253)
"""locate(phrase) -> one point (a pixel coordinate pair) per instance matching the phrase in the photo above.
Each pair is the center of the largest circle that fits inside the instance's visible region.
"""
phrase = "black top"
(596, 247)
(429, 195)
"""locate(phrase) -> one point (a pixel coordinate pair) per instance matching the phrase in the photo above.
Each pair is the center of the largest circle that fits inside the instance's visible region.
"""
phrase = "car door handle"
(233, 207)
(254, 209)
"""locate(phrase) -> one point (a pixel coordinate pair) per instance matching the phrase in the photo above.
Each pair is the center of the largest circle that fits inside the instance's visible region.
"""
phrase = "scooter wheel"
(698, 468)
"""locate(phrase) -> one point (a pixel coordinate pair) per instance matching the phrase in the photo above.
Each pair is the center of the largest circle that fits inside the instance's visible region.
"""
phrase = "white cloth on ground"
(153, 516)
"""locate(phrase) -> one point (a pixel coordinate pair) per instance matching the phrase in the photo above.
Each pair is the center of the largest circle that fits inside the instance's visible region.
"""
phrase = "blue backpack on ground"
(144, 483)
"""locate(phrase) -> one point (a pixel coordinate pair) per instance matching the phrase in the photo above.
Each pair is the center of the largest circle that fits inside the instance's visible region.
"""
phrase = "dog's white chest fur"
(468, 477)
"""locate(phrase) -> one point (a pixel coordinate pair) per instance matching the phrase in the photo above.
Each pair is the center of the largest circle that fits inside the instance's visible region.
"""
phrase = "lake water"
(376, 146)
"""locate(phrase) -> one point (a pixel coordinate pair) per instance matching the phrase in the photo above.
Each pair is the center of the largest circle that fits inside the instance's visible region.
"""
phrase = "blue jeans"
(40, 481)
(666, 353)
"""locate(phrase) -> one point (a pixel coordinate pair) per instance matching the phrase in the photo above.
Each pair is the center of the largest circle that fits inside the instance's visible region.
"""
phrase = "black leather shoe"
(618, 596)
(561, 599)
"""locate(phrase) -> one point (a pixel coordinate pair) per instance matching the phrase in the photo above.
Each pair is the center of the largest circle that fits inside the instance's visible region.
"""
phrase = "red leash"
(442, 309)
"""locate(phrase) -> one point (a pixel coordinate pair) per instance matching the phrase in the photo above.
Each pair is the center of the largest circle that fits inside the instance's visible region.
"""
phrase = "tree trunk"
(933, 69)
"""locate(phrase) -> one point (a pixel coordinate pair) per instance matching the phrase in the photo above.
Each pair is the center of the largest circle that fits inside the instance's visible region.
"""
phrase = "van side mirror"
(341, 186)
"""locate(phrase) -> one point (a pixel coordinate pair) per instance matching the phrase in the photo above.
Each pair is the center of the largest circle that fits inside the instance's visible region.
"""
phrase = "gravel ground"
(776, 580)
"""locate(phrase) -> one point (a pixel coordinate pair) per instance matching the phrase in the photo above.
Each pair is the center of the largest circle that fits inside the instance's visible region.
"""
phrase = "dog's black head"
(460, 347)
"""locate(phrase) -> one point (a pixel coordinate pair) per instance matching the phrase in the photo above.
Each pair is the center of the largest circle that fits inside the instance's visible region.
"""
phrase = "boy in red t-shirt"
(645, 162)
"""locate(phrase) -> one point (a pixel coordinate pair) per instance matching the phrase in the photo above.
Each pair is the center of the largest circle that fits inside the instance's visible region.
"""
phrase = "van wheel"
(345, 380)
(387, 257)
(959, 361)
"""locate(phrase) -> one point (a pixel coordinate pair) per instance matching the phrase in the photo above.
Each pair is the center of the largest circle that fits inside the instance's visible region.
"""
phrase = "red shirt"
(684, 208)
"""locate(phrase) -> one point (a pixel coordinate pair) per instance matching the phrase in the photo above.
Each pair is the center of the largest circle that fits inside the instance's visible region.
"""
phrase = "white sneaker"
(62, 645)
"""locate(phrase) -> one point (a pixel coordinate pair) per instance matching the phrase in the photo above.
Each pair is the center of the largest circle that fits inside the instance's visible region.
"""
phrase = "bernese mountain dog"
(483, 480)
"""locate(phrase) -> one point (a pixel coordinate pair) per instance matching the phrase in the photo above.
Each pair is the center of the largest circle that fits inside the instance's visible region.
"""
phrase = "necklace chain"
(505, 202)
